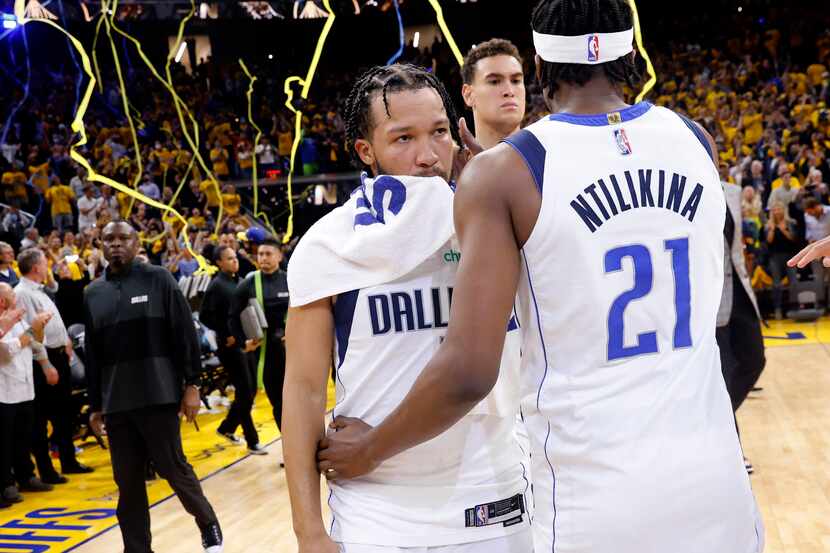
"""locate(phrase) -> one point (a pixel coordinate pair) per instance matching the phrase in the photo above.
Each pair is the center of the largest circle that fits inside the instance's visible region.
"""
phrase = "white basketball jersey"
(633, 440)
(471, 483)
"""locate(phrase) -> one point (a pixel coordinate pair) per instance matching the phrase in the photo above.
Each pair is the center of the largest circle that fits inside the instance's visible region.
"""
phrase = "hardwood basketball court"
(784, 432)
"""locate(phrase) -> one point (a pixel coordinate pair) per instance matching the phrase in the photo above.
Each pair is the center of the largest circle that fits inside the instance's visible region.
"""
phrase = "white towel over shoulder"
(388, 227)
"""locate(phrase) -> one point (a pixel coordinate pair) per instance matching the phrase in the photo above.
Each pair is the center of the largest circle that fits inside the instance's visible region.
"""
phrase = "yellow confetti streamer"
(249, 95)
(298, 115)
(439, 15)
(638, 36)
(124, 100)
(79, 128)
(179, 104)
(101, 18)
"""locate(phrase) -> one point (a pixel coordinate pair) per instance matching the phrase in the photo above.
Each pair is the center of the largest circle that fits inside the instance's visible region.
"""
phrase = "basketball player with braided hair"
(371, 285)
(606, 220)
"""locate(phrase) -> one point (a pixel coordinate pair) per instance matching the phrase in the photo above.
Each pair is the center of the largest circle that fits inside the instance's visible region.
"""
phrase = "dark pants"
(741, 347)
(15, 442)
(151, 433)
(273, 376)
(54, 404)
(779, 269)
(243, 376)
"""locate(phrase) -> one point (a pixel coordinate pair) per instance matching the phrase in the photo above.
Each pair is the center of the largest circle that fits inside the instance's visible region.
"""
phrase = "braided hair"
(582, 17)
(383, 80)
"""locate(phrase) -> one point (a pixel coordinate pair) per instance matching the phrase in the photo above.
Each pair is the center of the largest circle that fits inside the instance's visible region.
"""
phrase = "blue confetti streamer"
(399, 53)
(25, 90)
(80, 78)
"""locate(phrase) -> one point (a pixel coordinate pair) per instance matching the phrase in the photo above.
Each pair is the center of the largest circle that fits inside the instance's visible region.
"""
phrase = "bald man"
(143, 367)
(17, 394)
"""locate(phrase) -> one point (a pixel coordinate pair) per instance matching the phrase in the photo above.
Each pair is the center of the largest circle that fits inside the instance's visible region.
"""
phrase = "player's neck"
(596, 96)
(489, 136)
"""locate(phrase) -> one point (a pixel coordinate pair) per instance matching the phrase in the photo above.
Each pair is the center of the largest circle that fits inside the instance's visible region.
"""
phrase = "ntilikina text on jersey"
(597, 204)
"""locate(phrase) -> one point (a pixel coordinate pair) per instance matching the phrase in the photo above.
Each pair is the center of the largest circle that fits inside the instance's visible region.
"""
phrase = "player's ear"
(365, 151)
(467, 94)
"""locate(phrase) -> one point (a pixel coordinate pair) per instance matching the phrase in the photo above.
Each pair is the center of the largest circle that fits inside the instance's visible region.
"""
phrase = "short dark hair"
(382, 80)
(271, 241)
(493, 47)
(27, 260)
(218, 251)
(810, 202)
(582, 17)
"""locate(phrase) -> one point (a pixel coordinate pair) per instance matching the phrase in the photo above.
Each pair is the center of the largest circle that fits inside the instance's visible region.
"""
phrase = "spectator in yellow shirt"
(753, 126)
(40, 177)
(14, 183)
(219, 158)
(231, 200)
(245, 159)
(60, 197)
(785, 173)
(196, 220)
(210, 189)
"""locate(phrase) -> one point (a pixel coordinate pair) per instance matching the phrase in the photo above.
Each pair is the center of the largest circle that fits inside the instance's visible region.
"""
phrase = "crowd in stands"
(767, 111)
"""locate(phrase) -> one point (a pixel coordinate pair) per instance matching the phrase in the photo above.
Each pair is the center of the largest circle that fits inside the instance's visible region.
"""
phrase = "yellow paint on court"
(792, 333)
(80, 510)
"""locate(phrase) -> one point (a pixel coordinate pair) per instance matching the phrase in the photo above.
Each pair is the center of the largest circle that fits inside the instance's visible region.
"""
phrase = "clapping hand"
(39, 323)
(9, 318)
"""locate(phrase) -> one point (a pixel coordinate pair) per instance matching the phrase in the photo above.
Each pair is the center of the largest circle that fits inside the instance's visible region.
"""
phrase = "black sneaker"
(54, 478)
(77, 468)
(212, 538)
(34, 484)
(257, 449)
(11, 495)
(232, 438)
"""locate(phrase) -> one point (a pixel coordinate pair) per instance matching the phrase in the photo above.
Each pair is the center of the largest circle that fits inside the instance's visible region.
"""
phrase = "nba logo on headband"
(593, 47)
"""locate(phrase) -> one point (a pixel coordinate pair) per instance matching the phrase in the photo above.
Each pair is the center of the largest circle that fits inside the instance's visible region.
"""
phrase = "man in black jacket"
(143, 366)
(275, 299)
(215, 313)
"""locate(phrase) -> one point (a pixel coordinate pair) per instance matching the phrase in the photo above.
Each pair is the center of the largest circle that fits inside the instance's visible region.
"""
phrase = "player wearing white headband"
(606, 220)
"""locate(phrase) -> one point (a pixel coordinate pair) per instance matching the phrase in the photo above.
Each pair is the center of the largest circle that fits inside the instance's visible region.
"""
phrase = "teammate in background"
(494, 89)
(372, 282)
(632, 433)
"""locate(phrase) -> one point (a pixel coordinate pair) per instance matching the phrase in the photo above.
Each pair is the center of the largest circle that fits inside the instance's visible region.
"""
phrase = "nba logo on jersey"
(593, 47)
(622, 141)
(481, 515)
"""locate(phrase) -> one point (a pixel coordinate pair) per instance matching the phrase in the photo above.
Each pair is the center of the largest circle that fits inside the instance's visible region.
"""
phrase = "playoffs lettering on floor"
(51, 529)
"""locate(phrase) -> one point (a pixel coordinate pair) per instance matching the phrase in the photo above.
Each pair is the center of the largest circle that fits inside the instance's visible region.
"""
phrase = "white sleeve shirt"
(16, 381)
(32, 298)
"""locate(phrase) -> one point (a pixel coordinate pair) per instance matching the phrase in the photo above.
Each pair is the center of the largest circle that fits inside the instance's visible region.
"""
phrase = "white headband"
(589, 49)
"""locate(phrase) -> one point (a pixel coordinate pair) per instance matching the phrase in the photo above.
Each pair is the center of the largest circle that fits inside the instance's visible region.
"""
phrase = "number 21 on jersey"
(678, 252)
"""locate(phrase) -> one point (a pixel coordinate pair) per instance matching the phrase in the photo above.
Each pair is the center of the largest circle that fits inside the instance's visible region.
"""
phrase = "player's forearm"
(303, 427)
(447, 389)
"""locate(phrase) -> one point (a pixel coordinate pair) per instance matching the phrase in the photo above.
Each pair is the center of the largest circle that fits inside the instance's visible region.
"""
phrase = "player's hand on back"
(344, 453)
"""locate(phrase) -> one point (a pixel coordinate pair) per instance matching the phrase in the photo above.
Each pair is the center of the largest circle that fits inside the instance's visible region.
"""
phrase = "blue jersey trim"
(343, 317)
(532, 151)
(601, 119)
(696, 130)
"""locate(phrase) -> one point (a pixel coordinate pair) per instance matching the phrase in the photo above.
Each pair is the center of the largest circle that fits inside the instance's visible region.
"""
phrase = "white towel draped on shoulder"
(388, 227)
